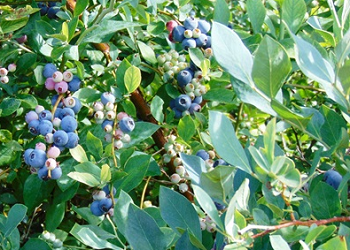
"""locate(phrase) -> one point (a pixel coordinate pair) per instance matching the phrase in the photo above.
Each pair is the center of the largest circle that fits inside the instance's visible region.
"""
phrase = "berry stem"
(56, 105)
(144, 191)
(113, 139)
(115, 231)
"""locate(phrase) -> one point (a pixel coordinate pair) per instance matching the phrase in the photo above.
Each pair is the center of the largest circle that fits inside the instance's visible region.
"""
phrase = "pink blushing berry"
(50, 83)
(4, 79)
(56, 122)
(69, 102)
(3, 72)
(171, 25)
(57, 76)
(49, 138)
(53, 152)
(39, 108)
(118, 134)
(98, 106)
(61, 87)
(40, 146)
(50, 163)
(121, 115)
(12, 67)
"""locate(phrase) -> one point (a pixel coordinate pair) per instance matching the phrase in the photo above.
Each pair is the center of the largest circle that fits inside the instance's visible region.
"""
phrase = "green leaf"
(35, 244)
(270, 140)
(87, 94)
(337, 242)
(184, 242)
(87, 173)
(278, 243)
(231, 53)
(14, 217)
(142, 131)
(256, 13)
(90, 238)
(325, 202)
(8, 152)
(105, 174)
(147, 52)
(121, 209)
(157, 108)
(80, 71)
(78, 153)
(207, 205)
(271, 66)
(222, 12)
(80, 6)
(54, 216)
(106, 30)
(26, 62)
(142, 232)
(293, 13)
(13, 25)
(196, 56)
(132, 79)
(178, 212)
(342, 49)
(186, 128)
(194, 165)
(94, 145)
(8, 106)
(225, 141)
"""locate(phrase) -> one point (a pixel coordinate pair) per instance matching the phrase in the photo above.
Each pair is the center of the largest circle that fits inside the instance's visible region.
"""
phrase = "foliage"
(271, 118)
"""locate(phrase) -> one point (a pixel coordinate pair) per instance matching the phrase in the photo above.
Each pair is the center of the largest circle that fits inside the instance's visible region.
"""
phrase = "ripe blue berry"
(69, 123)
(77, 105)
(34, 127)
(26, 155)
(107, 97)
(45, 115)
(60, 138)
(178, 113)
(107, 125)
(95, 208)
(204, 26)
(203, 154)
(188, 43)
(56, 173)
(190, 23)
(54, 100)
(208, 43)
(219, 162)
(201, 40)
(127, 124)
(74, 84)
(184, 77)
(45, 127)
(105, 205)
(49, 69)
(66, 112)
(30, 116)
(107, 191)
(219, 206)
(178, 33)
(37, 158)
(73, 140)
(183, 102)
(51, 13)
(43, 173)
(333, 178)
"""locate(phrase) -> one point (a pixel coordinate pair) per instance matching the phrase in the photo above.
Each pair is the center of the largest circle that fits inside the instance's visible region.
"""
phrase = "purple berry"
(22, 39)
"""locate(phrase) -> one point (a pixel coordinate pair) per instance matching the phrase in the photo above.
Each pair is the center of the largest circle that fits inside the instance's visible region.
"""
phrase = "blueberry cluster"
(207, 223)
(171, 63)
(102, 203)
(3, 73)
(105, 115)
(208, 157)
(58, 81)
(50, 9)
(51, 239)
(193, 33)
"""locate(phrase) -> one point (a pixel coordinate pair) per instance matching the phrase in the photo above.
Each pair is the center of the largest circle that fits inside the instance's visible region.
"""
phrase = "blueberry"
(219, 162)
(45, 127)
(178, 33)
(69, 123)
(52, 4)
(107, 125)
(56, 173)
(184, 77)
(198, 100)
(58, 113)
(195, 107)
(188, 43)
(107, 97)
(74, 84)
(170, 25)
(22, 39)
(52, 11)
(208, 44)
(127, 124)
(105, 204)
(37, 158)
(43, 173)
(190, 23)
(203, 154)
(30, 116)
(27, 154)
(107, 191)
(77, 105)
(33, 127)
(201, 40)
(95, 208)
(172, 103)
(60, 138)
(178, 113)
(49, 69)
(183, 102)
(73, 140)
(204, 26)
(66, 112)
(219, 206)
(333, 178)
(45, 115)
(54, 100)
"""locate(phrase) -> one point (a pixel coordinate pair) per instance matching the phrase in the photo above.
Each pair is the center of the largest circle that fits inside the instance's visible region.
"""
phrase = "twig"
(238, 120)
(5, 171)
(144, 191)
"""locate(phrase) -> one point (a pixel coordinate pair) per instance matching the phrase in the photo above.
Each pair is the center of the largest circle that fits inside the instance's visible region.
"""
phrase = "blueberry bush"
(174, 124)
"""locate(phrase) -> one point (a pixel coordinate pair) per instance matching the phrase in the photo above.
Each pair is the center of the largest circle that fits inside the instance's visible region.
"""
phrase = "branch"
(289, 224)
